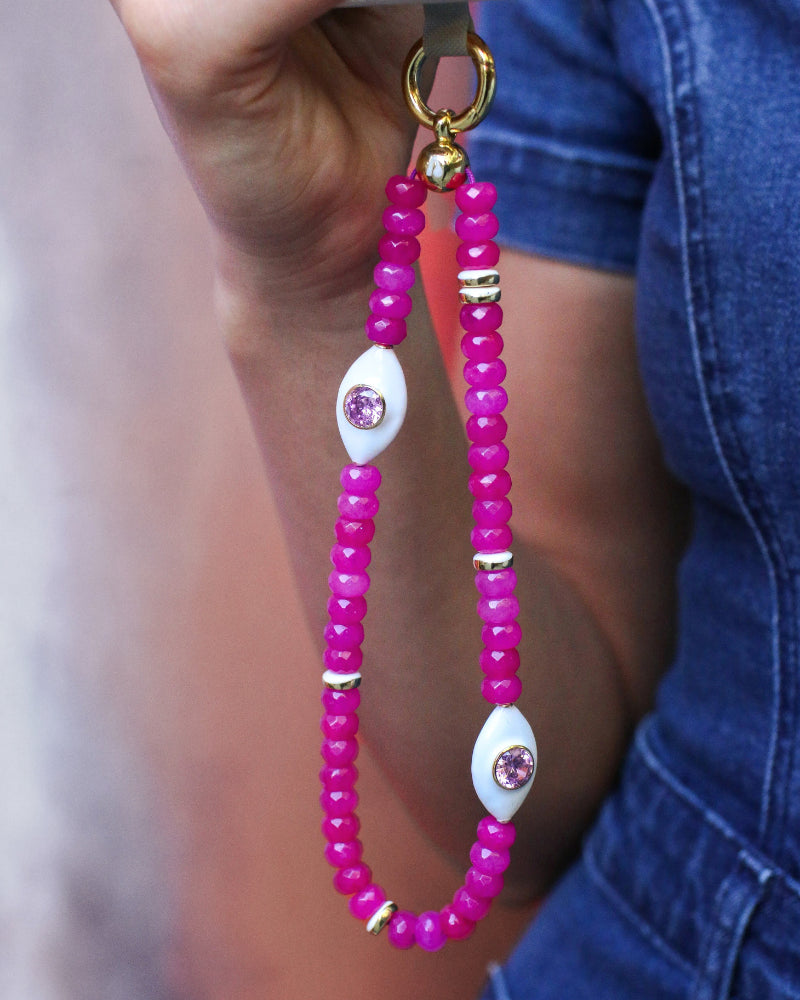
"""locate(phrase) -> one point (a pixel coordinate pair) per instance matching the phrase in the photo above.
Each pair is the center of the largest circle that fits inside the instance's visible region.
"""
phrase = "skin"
(288, 120)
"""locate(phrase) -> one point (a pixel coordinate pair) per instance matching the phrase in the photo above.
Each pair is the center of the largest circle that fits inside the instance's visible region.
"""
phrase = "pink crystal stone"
(481, 318)
(352, 879)
(472, 255)
(341, 702)
(350, 559)
(469, 906)
(343, 661)
(495, 583)
(382, 330)
(401, 929)
(501, 690)
(499, 663)
(498, 610)
(364, 407)
(394, 277)
(347, 610)
(488, 485)
(343, 636)
(392, 305)
(361, 480)
(406, 191)
(483, 886)
(491, 539)
(455, 927)
(399, 249)
(339, 727)
(343, 854)
(401, 221)
(339, 828)
(338, 803)
(485, 401)
(338, 779)
(339, 752)
(493, 833)
(487, 430)
(482, 346)
(477, 228)
(350, 532)
(514, 768)
(491, 860)
(477, 197)
(484, 374)
(489, 457)
(367, 901)
(492, 513)
(428, 932)
(501, 636)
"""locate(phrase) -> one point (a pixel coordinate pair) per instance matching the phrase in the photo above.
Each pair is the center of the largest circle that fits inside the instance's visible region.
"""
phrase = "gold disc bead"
(341, 682)
(381, 917)
(493, 560)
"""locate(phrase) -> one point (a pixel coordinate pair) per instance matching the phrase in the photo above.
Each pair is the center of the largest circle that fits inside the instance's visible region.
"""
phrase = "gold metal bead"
(442, 166)
(479, 277)
(381, 917)
(493, 560)
(479, 296)
(341, 682)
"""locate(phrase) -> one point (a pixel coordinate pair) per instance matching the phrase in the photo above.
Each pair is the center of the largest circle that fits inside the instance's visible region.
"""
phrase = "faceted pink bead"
(399, 249)
(355, 508)
(338, 803)
(485, 401)
(501, 690)
(401, 929)
(347, 610)
(492, 513)
(339, 752)
(501, 636)
(343, 636)
(477, 228)
(349, 532)
(484, 374)
(339, 828)
(499, 663)
(339, 779)
(394, 277)
(343, 661)
(491, 539)
(402, 221)
(348, 584)
(471, 255)
(392, 305)
(353, 879)
(482, 346)
(498, 610)
(367, 901)
(406, 191)
(470, 907)
(428, 932)
(360, 480)
(483, 886)
(455, 927)
(339, 727)
(389, 332)
(491, 860)
(487, 430)
(488, 457)
(480, 196)
(487, 486)
(341, 702)
(350, 559)
(481, 318)
(343, 854)
(493, 833)
(496, 583)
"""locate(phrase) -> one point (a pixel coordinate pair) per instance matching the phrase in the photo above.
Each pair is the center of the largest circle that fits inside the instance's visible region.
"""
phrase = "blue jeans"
(661, 137)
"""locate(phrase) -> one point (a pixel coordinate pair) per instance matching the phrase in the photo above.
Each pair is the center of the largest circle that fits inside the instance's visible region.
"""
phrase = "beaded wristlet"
(370, 409)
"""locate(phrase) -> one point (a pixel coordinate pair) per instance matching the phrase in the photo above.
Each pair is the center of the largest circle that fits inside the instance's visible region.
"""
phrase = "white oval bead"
(379, 369)
(506, 727)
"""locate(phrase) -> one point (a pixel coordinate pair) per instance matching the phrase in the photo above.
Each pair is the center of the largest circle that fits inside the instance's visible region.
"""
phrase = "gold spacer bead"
(479, 277)
(492, 560)
(381, 917)
(479, 295)
(340, 682)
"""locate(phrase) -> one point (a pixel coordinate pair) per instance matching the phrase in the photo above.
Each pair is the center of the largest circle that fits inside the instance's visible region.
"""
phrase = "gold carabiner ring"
(482, 60)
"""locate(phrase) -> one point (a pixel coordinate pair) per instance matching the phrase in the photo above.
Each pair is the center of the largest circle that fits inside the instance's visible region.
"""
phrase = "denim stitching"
(569, 154)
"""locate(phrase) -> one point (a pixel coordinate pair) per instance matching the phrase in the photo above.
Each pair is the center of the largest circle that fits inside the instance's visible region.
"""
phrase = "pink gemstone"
(356, 508)
(392, 305)
(481, 319)
(469, 906)
(343, 636)
(480, 196)
(382, 330)
(486, 401)
(487, 430)
(484, 374)
(399, 249)
(394, 277)
(343, 661)
(495, 583)
(483, 886)
(347, 610)
(402, 221)
(501, 690)
(338, 779)
(491, 539)
(477, 228)
(491, 860)
(489, 457)
(353, 879)
(343, 854)
(492, 513)
(338, 828)
(339, 752)
(407, 191)
(339, 803)
(514, 768)
(341, 702)
(487, 486)
(499, 663)
(350, 559)
(401, 929)
(367, 901)
(498, 610)
(339, 727)
(482, 346)
(470, 255)
(350, 532)
(428, 932)
(361, 480)
(501, 636)
(364, 407)
(455, 927)
(493, 833)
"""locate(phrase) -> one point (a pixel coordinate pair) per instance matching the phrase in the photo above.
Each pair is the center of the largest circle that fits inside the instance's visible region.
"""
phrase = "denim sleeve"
(569, 143)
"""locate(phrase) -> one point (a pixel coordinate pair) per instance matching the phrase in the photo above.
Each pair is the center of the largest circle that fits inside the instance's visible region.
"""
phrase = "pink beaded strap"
(371, 397)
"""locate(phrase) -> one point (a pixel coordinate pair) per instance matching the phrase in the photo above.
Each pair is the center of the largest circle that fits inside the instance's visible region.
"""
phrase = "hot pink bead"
(483, 886)
(492, 860)
(343, 636)
(339, 752)
(477, 228)
(484, 374)
(501, 690)
(487, 486)
(482, 318)
(348, 584)
(389, 332)
(338, 803)
(493, 833)
(486, 401)
(501, 636)
(394, 277)
(341, 702)
(339, 727)
(428, 933)
(496, 583)
(339, 779)
(488, 457)
(349, 532)
(470, 255)
(481, 196)
(401, 929)
(491, 539)
(499, 663)
(355, 508)
(470, 907)
(350, 559)
(399, 249)
(487, 430)
(340, 828)
(367, 901)
(360, 480)
(343, 854)
(407, 191)
(347, 610)
(492, 513)
(353, 879)
(343, 661)
(392, 305)
(498, 610)
(482, 346)
(402, 221)
(455, 927)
